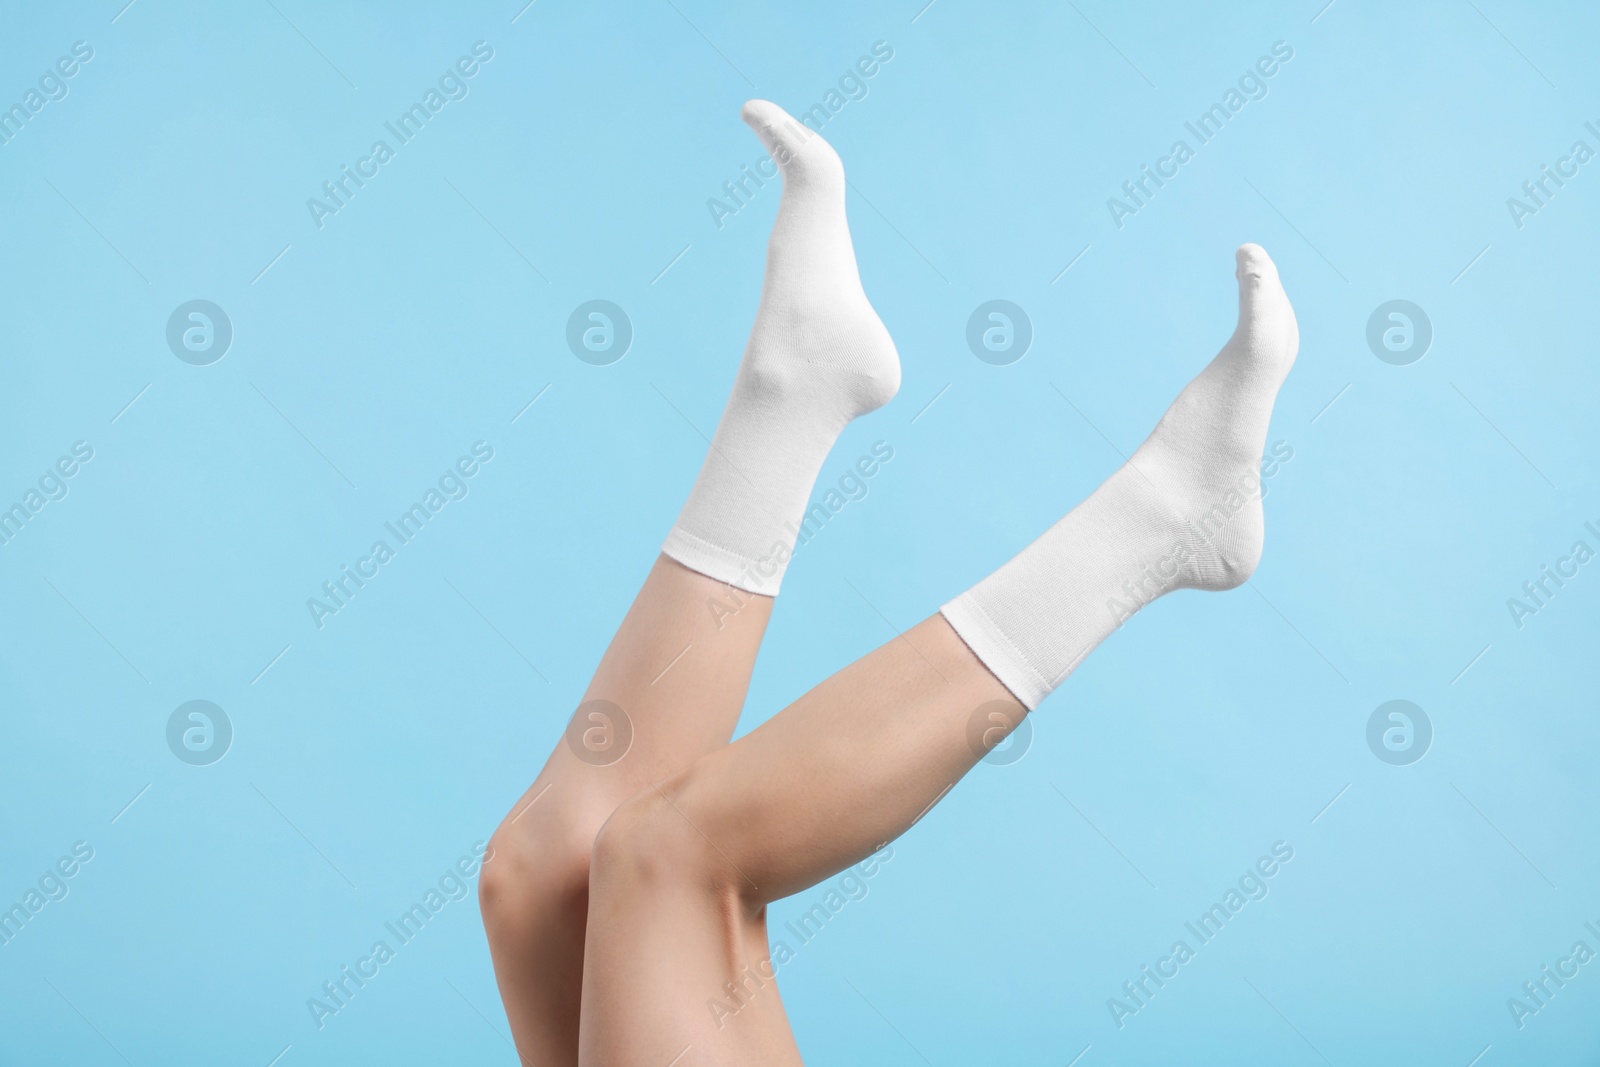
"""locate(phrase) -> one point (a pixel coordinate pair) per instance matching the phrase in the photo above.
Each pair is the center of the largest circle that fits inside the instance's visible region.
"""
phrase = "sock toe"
(758, 113)
(761, 115)
(1263, 304)
(773, 125)
(1254, 263)
(818, 357)
(799, 151)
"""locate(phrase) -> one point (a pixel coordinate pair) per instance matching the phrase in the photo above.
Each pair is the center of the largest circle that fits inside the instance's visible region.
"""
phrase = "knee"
(534, 865)
(651, 841)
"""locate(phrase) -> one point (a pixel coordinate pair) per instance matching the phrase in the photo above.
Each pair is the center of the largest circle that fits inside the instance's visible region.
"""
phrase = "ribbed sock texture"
(1183, 513)
(818, 357)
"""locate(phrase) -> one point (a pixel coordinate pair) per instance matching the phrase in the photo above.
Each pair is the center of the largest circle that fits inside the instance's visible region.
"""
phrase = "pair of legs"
(624, 897)
(577, 922)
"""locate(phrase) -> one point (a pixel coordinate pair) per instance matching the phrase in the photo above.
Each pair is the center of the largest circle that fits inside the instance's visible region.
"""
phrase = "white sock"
(817, 358)
(1183, 513)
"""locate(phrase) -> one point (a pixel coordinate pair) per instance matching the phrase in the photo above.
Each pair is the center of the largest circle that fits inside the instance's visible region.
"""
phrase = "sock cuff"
(990, 644)
(724, 565)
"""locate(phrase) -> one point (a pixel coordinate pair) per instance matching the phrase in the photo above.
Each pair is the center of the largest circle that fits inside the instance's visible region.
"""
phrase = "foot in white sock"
(1184, 512)
(817, 358)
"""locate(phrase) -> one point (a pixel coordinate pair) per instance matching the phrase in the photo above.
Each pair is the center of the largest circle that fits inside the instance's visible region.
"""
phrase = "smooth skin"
(611, 949)
(683, 872)
(679, 671)
(678, 668)
(634, 932)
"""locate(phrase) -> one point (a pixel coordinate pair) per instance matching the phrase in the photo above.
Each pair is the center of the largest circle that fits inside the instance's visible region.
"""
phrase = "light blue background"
(375, 751)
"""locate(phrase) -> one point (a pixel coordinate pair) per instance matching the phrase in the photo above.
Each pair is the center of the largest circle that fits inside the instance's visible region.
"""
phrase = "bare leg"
(682, 873)
(678, 669)
(534, 891)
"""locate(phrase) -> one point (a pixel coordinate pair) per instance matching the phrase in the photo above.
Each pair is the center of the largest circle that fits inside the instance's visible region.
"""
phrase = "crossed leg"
(680, 664)
(667, 910)
(682, 873)
(534, 891)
